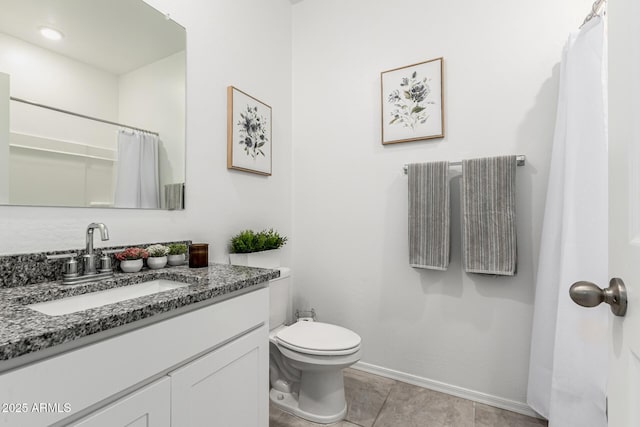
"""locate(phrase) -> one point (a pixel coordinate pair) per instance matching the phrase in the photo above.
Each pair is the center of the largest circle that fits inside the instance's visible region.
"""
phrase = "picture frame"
(412, 102)
(249, 133)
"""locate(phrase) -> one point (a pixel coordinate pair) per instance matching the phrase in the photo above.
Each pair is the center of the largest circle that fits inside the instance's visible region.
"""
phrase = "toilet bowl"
(306, 361)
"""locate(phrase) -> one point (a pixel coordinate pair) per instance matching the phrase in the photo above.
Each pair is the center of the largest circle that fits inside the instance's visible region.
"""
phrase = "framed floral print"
(412, 102)
(248, 133)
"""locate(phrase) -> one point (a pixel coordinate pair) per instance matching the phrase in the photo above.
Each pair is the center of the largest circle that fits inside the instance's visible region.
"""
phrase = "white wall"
(221, 50)
(161, 84)
(350, 205)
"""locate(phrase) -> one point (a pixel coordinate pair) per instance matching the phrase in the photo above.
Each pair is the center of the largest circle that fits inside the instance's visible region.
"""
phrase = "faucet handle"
(105, 264)
(70, 268)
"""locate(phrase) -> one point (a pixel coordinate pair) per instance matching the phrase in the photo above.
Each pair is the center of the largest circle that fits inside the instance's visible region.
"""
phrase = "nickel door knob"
(588, 294)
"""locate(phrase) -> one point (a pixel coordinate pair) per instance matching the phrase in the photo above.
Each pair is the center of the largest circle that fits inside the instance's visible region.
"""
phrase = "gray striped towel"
(174, 196)
(429, 215)
(489, 215)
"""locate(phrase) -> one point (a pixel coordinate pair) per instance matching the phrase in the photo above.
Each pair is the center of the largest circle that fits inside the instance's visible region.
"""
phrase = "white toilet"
(306, 360)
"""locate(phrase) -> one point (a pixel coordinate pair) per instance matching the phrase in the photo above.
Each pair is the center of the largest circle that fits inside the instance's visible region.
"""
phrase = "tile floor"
(375, 401)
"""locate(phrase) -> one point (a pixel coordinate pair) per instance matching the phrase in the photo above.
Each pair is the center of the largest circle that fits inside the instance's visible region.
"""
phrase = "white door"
(624, 208)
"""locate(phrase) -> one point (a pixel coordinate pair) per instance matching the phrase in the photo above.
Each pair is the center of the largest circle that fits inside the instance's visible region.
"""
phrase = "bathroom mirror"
(96, 111)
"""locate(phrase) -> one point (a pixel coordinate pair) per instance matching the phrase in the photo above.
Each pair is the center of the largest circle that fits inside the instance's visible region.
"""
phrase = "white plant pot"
(263, 259)
(176, 259)
(131, 265)
(156, 262)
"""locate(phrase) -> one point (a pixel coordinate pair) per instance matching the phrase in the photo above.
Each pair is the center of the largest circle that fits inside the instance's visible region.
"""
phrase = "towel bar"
(520, 159)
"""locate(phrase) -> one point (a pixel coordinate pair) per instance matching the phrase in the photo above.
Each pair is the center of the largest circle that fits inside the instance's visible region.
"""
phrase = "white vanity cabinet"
(206, 367)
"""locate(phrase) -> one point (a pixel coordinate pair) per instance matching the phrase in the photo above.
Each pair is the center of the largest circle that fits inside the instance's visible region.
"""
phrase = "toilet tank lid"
(318, 336)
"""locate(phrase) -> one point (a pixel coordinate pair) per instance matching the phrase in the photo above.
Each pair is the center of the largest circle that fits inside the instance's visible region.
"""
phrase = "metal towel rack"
(520, 161)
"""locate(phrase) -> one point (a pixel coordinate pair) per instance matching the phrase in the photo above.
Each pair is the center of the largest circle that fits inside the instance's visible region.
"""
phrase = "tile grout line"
(375, 420)
(474, 415)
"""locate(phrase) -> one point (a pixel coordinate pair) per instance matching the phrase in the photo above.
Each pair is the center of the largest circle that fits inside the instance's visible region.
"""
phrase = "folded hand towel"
(489, 215)
(174, 196)
(429, 215)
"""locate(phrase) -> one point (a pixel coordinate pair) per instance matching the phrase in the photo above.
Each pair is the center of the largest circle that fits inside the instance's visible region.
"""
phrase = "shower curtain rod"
(520, 159)
(595, 11)
(59, 110)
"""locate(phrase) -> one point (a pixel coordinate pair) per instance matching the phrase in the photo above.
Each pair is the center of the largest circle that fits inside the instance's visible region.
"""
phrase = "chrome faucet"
(89, 259)
(70, 270)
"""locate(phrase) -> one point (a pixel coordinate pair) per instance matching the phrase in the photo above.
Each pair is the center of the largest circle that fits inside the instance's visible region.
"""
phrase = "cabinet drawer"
(148, 407)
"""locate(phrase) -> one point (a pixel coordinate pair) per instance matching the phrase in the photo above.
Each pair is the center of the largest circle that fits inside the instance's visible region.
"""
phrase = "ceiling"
(114, 35)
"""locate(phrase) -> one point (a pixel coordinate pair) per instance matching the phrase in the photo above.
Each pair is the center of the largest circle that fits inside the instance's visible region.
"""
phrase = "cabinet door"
(148, 407)
(227, 387)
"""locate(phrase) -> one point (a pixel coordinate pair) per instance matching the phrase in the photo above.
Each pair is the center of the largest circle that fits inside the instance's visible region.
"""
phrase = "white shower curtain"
(137, 184)
(569, 359)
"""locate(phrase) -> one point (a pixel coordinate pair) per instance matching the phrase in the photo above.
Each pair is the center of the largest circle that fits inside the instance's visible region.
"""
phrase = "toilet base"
(288, 402)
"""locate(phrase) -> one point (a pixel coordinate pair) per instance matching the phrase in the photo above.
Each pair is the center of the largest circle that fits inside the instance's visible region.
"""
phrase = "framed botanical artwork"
(248, 133)
(412, 102)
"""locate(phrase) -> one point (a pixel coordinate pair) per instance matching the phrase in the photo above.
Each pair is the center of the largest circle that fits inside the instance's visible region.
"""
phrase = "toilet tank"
(279, 298)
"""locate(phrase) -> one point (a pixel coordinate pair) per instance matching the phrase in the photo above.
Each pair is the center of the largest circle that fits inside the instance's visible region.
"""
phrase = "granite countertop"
(24, 331)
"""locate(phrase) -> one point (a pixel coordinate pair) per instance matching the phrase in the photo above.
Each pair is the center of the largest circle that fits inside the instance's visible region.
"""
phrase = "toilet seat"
(317, 338)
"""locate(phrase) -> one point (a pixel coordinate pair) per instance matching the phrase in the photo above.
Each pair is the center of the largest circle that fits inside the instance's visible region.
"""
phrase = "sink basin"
(99, 298)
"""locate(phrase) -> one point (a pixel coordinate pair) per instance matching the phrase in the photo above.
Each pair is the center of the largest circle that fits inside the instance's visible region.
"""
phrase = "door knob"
(588, 294)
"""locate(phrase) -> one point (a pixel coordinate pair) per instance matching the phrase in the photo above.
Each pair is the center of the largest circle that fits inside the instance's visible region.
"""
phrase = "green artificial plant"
(250, 241)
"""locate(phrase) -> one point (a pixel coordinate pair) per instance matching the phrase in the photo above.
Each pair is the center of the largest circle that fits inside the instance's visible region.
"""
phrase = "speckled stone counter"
(30, 268)
(24, 330)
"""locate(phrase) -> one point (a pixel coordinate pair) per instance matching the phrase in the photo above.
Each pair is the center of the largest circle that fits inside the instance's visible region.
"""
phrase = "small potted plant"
(256, 249)
(131, 259)
(177, 253)
(157, 256)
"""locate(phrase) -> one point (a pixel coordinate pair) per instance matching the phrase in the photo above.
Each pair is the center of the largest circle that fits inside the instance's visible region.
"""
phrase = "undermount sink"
(99, 298)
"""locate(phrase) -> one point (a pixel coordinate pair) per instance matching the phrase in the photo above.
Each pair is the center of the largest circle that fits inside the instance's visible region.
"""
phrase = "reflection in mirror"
(4, 138)
(97, 117)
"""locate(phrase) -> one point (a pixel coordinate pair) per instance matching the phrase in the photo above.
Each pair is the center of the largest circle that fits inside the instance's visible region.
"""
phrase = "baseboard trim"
(476, 396)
